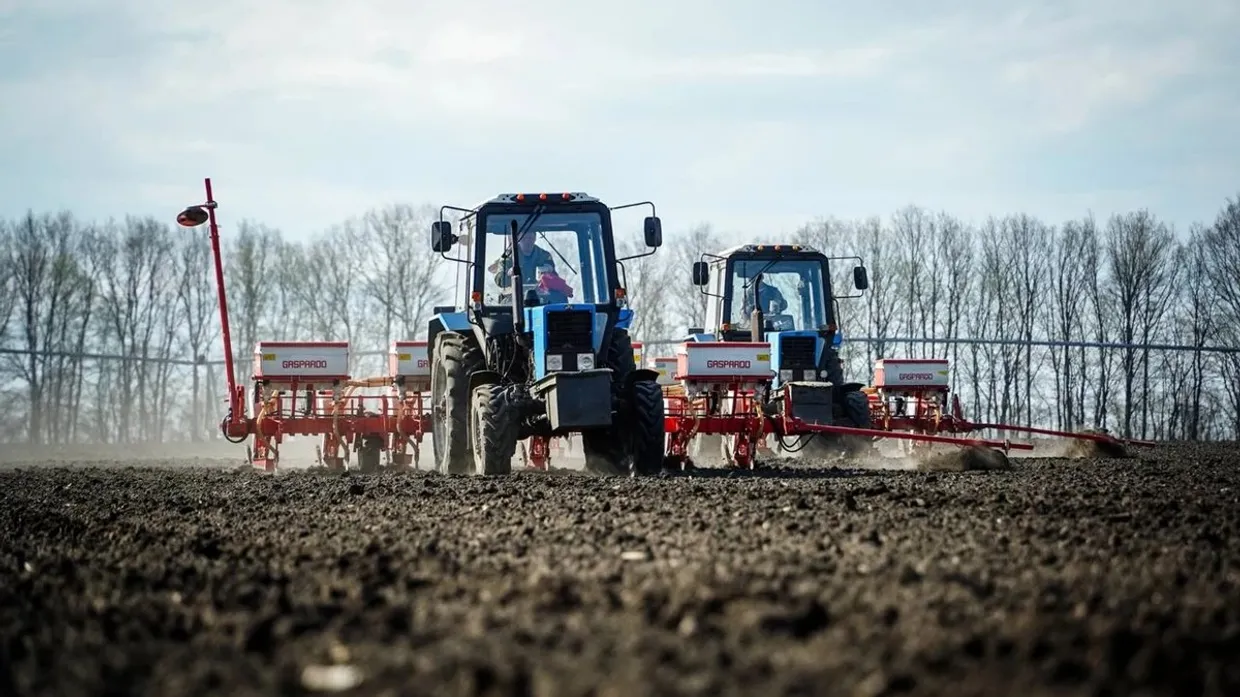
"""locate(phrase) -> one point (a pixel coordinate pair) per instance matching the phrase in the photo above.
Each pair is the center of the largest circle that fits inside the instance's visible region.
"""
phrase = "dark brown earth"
(1089, 577)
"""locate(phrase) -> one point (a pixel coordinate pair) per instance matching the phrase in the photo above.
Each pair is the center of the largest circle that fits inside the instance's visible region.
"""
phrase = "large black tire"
(604, 448)
(856, 413)
(856, 409)
(493, 430)
(455, 359)
(646, 428)
(853, 411)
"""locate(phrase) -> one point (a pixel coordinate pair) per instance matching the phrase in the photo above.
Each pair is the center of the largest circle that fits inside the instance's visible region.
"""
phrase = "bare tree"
(835, 238)
(8, 279)
(1067, 278)
(344, 306)
(1101, 304)
(249, 268)
(645, 279)
(1197, 304)
(687, 302)
(49, 286)
(956, 277)
(1139, 249)
(396, 269)
(198, 304)
(311, 291)
(1026, 241)
(916, 245)
(137, 292)
(882, 299)
(1222, 240)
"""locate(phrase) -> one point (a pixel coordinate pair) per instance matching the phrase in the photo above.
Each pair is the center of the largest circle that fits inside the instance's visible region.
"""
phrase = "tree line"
(111, 332)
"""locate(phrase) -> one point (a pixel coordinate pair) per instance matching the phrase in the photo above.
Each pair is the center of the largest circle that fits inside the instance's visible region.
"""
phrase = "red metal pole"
(1096, 437)
(219, 284)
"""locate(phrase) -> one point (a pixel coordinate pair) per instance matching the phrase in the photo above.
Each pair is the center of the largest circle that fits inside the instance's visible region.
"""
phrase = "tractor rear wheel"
(455, 358)
(604, 448)
(854, 412)
(646, 428)
(493, 430)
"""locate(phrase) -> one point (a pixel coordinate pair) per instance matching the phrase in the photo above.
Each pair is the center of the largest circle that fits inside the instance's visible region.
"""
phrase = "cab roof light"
(546, 198)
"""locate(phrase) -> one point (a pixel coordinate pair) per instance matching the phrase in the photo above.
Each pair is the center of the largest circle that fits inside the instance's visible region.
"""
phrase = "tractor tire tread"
(647, 428)
(459, 358)
(493, 430)
(604, 448)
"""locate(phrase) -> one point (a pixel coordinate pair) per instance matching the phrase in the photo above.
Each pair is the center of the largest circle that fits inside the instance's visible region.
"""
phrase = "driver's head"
(526, 243)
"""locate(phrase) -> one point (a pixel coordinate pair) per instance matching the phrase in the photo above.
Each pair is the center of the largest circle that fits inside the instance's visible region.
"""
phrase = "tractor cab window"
(791, 293)
(560, 255)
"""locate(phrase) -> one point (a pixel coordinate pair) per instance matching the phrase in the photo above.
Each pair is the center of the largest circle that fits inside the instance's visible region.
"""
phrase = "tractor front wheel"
(454, 360)
(494, 430)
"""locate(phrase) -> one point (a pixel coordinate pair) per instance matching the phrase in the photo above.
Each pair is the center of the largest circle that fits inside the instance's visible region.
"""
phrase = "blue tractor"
(537, 344)
(782, 294)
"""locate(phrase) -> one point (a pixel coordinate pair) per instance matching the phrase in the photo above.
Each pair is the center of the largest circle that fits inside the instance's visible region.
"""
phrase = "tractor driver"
(768, 295)
(531, 257)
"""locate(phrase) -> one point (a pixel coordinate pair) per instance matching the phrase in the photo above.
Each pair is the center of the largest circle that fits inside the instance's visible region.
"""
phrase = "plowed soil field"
(1057, 577)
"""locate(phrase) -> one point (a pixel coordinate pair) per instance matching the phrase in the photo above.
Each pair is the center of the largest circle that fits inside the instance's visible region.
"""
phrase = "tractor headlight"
(585, 361)
(809, 375)
(555, 362)
(785, 375)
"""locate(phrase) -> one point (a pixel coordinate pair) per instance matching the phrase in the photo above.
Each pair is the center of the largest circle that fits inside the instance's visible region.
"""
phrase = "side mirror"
(192, 216)
(654, 232)
(860, 280)
(701, 273)
(442, 238)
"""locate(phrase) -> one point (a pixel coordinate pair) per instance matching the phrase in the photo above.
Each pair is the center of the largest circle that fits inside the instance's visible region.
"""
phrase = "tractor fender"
(483, 377)
(640, 375)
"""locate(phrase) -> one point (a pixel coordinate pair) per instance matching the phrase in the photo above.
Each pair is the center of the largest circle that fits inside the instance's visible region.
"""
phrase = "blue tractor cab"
(537, 343)
(782, 294)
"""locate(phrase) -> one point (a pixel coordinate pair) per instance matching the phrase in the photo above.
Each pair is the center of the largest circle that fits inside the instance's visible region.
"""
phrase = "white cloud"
(849, 62)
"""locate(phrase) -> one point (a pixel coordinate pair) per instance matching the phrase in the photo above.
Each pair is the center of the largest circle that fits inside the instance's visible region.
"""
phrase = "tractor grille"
(797, 353)
(569, 333)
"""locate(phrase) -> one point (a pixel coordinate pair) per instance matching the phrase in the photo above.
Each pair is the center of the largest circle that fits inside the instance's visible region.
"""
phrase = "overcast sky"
(755, 115)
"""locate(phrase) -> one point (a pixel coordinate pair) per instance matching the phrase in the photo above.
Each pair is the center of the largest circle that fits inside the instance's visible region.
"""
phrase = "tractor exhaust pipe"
(518, 314)
(756, 322)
